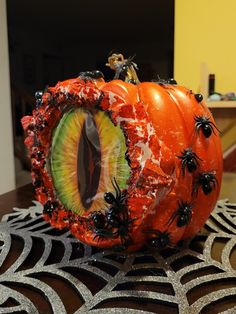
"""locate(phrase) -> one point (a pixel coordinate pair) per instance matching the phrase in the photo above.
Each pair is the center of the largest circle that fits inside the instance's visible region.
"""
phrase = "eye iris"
(87, 153)
(89, 161)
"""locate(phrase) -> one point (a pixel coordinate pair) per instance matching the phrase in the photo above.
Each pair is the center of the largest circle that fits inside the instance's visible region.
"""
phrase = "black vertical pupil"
(89, 161)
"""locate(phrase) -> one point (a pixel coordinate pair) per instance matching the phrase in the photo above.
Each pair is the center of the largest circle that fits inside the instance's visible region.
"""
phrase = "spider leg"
(196, 157)
(184, 163)
(214, 127)
(97, 237)
(214, 182)
(116, 187)
(152, 231)
(195, 189)
(172, 218)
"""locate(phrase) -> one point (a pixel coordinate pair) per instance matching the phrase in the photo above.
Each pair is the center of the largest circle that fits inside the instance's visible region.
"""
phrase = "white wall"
(7, 172)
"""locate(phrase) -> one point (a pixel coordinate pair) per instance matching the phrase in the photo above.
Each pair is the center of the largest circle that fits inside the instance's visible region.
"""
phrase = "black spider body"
(109, 198)
(91, 75)
(160, 240)
(207, 181)
(123, 67)
(98, 219)
(204, 124)
(49, 208)
(189, 160)
(38, 97)
(172, 81)
(198, 97)
(116, 201)
(37, 183)
(183, 214)
(113, 219)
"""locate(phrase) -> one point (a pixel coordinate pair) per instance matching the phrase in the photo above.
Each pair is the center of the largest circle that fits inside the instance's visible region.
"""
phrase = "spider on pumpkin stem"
(207, 181)
(206, 126)
(184, 214)
(189, 160)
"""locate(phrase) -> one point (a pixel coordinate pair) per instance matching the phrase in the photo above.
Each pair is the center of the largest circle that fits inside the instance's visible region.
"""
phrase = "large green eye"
(87, 153)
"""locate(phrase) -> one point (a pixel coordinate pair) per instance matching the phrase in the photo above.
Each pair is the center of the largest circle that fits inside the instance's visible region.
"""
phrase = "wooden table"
(20, 197)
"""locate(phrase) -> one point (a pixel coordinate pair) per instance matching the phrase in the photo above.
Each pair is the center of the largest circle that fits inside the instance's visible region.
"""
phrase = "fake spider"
(38, 96)
(117, 201)
(114, 222)
(98, 219)
(198, 97)
(91, 75)
(189, 160)
(49, 208)
(207, 181)
(161, 239)
(204, 124)
(163, 82)
(183, 214)
(172, 81)
(111, 231)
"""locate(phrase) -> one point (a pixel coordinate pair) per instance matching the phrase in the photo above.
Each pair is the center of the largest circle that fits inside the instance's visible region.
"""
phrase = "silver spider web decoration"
(43, 270)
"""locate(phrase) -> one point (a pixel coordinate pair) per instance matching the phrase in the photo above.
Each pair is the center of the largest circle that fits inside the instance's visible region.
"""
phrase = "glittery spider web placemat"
(43, 270)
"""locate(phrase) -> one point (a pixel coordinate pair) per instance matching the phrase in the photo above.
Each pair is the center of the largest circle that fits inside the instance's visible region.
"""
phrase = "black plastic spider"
(198, 97)
(163, 82)
(38, 97)
(172, 81)
(98, 219)
(161, 239)
(184, 214)
(189, 160)
(123, 67)
(207, 181)
(49, 208)
(118, 200)
(91, 75)
(205, 124)
(121, 230)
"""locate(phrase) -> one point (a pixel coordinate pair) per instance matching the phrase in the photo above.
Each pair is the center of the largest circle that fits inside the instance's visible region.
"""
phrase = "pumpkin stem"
(125, 69)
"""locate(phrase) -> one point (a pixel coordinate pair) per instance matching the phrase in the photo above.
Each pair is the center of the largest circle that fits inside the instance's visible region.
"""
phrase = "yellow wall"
(205, 32)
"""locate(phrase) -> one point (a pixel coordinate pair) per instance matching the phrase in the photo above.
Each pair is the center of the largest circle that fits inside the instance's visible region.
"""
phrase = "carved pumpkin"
(124, 163)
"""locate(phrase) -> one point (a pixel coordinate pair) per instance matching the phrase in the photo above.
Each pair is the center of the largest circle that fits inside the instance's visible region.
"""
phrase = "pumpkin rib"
(139, 212)
(165, 209)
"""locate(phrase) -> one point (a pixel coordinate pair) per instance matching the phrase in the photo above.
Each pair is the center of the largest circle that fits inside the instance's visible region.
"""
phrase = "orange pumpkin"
(158, 190)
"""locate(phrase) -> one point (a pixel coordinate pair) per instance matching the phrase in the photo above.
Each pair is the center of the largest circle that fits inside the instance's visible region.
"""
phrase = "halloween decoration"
(124, 163)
